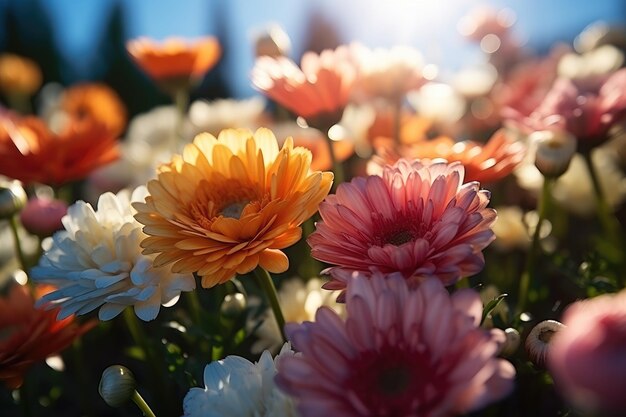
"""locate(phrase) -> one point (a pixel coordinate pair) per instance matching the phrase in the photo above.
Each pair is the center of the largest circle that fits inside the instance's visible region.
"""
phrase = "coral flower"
(318, 91)
(400, 352)
(490, 162)
(30, 335)
(586, 358)
(96, 102)
(588, 110)
(175, 60)
(19, 75)
(30, 152)
(418, 218)
(228, 205)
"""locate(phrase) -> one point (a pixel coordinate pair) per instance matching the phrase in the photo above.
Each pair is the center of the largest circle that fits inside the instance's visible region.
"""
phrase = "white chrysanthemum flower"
(299, 301)
(217, 115)
(236, 387)
(97, 262)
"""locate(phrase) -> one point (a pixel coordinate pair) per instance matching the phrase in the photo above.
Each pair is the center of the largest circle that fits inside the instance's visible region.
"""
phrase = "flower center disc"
(234, 210)
(401, 237)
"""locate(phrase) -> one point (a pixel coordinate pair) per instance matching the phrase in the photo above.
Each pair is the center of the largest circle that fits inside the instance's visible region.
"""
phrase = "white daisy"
(97, 262)
(236, 387)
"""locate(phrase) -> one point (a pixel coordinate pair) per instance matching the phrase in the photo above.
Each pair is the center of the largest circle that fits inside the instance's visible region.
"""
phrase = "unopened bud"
(12, 198)
(233, 305)
(555, 150)
(117, 385)
(538, 340)
(512, 342)
(42, 216)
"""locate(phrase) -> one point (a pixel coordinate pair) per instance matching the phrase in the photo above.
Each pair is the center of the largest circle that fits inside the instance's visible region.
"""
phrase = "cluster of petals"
(387, 73)
(235, 386)
(401, 351)
(228, 205)
(30, 334)
(489, 162)
(588, 110)
(97, 262)
(586, 358)
(175, 58)
(30, 152)
(319, 88)
(417, 218)
(97, 102)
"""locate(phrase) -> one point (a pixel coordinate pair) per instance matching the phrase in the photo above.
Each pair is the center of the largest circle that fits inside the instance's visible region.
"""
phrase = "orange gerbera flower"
(175, 59)
(318, 91)
(30, 334)
(228, 205)
(19, 75)
(484, 163)
(97, 102)
(30, 152)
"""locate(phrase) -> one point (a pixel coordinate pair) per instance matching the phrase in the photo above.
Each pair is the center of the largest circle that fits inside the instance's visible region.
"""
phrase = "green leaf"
(491, 305)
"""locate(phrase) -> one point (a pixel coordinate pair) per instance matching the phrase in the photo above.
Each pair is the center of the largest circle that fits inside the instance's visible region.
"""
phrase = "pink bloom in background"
(418, 218)
(585, 109)
(588, 358)
(42, 216)
(401, 352)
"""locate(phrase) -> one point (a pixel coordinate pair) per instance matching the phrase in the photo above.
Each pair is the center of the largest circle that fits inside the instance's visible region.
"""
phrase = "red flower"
(30, 335)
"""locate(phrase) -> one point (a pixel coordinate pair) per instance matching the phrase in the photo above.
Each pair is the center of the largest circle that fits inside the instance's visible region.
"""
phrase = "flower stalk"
(16, 241)
(528, 276)
(267, 285)
(142, 404)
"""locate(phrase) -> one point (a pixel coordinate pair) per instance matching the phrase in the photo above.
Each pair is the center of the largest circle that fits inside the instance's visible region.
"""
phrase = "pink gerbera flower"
(418, 218)
(401, 352)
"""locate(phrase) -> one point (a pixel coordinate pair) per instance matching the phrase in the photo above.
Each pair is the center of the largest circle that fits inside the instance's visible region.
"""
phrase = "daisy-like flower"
(236, 387)
(418, 218)
(388, 73)
(318, 91)
(215, 116)
(19, 75)
(489, 162)
(298, 301)
(400, 352)
(175, 62)
(96, 102)
(586, 357)
(97, 262)
(586, 111)
(30, 152)
(228, 205)
(30, 334)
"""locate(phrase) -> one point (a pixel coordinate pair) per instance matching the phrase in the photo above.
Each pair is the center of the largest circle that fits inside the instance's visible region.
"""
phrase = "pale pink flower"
(587, 358)
(400, 352)
(417, 218)
(585, 109)
(42, 216)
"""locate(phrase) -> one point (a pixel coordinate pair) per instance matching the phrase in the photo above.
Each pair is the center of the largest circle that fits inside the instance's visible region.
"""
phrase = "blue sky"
(427, 24)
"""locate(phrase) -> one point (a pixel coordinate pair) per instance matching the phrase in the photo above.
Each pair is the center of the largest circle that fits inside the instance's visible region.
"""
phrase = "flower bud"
(42, 216)
(117, 385)
(233, 305)
(12, 198)
(538, 341)
(512, 342)
(555, 150)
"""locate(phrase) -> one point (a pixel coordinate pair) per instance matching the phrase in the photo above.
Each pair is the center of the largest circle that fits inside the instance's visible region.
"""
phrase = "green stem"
(337, 165)
(195, 308)
(18, 246)
(609, 224)
(181, 99)
(142, 404)
(265, 281)
(25, 400)
(527, 278)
